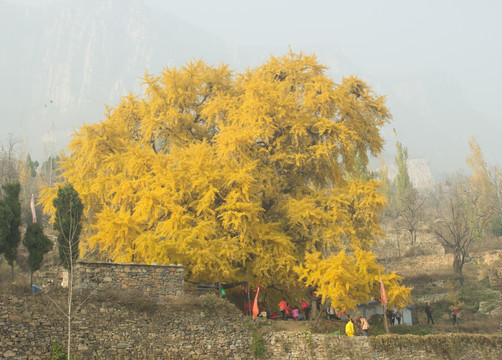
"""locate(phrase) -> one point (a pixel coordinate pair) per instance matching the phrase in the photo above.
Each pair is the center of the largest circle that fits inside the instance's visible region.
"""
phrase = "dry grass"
(489, 243)
(21, 284)
(485, 326)
(208, 304)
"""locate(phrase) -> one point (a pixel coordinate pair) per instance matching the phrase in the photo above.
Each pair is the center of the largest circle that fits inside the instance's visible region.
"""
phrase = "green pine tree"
(69, 210)
(10, 236)
(37, 244)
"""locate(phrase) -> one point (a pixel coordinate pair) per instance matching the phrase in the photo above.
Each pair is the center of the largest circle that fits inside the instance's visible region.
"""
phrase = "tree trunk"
(458, 265)
(385, 323)
(249, 290)
(313, 309)
(70, 294)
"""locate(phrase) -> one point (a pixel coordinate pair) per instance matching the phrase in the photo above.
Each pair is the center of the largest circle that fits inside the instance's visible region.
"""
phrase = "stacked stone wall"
(158, 282)
(104, 330)
(301, 346)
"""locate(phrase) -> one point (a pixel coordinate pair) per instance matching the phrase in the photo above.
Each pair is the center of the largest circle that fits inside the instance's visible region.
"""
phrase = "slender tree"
(11, 236)
(37, 244)
(69, 210)
(495, 175)
(487, 182)
(409, 202)
(67, 218)
(386, 189)
(411, 212)
(402, 181)
(5, 220)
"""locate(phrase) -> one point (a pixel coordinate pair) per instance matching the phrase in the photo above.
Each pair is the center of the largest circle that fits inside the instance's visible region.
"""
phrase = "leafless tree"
(411, 213)
(461, 218)
(9, 162)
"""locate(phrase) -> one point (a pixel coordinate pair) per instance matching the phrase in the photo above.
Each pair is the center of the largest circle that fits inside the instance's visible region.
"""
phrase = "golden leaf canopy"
(232, 173)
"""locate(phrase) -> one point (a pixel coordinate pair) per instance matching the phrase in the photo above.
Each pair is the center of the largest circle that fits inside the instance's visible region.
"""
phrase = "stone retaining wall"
(212, 329)
(116, 331)
(158, 282)
(302, 346)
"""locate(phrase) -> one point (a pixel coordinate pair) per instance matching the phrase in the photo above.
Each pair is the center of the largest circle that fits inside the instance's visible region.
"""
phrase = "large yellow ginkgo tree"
(237, 175)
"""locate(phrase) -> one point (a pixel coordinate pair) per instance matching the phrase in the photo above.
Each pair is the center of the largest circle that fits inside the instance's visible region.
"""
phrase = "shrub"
(144, 305)
(258, 348)
(210, 304)
(58, 353)
(411, 330)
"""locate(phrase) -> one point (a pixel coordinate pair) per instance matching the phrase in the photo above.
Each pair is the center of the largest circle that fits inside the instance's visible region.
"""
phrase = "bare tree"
(461, 218)
(411, 212)
(9, 162)
(495, 179)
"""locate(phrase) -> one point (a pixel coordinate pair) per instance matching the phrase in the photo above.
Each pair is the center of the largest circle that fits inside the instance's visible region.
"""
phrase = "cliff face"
(419, 172)
(67, 60)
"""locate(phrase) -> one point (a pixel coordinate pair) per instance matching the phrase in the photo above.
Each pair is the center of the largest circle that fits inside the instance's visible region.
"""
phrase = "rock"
(9, 354)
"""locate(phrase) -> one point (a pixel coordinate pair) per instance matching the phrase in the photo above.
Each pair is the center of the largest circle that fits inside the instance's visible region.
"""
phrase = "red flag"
(32, 206)
(255, 305)
(383, 295)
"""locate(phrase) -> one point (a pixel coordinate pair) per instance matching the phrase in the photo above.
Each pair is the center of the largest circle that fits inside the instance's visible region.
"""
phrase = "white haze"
(438, 62)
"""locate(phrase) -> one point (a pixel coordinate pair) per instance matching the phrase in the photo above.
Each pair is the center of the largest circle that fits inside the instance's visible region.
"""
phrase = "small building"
(374, 308)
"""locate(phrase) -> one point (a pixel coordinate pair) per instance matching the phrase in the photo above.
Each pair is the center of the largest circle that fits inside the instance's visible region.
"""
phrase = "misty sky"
(462, 38)
(459, 37)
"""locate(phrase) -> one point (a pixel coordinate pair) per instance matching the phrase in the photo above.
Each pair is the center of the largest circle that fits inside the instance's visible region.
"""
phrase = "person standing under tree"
(282, 308)
(349, 328)
(428, 312)
(455, 311)
(365, 326)
(306, 309)
(399, 316)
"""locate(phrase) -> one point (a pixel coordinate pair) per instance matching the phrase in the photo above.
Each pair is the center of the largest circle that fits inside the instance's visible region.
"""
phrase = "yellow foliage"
(232, 174)
(480, 180)
(349, 279)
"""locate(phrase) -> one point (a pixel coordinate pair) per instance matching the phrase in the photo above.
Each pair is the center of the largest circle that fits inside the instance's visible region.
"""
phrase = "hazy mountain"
(82, 55)
(433, 118)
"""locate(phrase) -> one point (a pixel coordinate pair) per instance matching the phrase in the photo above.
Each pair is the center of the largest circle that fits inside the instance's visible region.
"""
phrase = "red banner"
(383, 295)
(256, 311)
